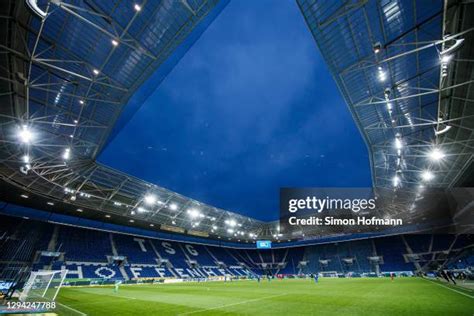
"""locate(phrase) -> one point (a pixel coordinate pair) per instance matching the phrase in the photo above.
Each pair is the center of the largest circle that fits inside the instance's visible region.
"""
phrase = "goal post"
(43, 285)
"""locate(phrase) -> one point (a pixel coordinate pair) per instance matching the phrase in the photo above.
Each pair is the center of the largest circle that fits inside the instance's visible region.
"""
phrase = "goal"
(43, 285)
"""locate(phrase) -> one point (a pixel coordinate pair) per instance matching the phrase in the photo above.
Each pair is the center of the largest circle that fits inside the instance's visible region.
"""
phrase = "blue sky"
(250, 108)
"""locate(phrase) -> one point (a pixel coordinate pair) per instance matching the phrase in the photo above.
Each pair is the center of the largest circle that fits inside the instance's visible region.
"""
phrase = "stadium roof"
(69, 68)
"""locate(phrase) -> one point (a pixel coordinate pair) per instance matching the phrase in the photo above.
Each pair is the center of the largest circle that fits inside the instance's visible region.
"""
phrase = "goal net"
(43, 285)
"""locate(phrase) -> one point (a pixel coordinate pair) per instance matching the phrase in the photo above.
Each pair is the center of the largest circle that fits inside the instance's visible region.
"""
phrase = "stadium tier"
(94, 254)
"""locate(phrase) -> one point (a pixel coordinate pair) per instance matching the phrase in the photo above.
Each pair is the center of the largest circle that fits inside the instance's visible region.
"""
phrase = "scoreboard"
(264, 244)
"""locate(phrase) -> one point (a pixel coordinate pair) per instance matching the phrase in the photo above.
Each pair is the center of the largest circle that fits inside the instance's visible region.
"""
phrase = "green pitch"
(378, 296)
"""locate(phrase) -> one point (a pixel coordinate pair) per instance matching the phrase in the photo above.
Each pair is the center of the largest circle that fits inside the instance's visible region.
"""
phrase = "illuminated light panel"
(427, 175)
(436, 154)
(150, 199)
(26, 135)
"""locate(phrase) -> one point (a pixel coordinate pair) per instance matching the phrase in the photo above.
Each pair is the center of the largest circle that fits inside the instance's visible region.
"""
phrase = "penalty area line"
(449, 288)
(233, 304)
(72, 309)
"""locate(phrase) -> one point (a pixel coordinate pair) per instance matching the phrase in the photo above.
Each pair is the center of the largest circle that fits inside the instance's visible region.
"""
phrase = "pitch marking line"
(72, 309)
(233, 304)
(449, 288)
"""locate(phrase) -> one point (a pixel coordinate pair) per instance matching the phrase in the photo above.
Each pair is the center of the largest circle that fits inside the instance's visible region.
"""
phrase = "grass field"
(377, 296)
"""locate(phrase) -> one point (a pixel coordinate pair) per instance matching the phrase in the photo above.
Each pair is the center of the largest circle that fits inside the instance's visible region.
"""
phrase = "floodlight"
(81, 102)
(50, 203)
(24, 196)
(95, 71)
(79, 210)
(377, 47)
(382, 75)
(150, 199)
(137, 7)
(427, 175)
(67, 154)
(25, 134)
(193, 213)
(230, 230)
(107, 215)
(141, 210)
(26, 159)
(398, 143)
(173, 207)
(396, 181)
(446, 58)
(436, 154)
(115, 42)
(231, 222)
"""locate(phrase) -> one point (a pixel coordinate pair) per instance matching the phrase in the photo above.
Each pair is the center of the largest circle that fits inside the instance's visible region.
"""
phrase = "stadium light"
(382, 74)
(230, 230)
(107, 215)
(427, 175)
(79, 210)
(137, 7)
(26, 159)
(396, 181)
(398, 143)
(67, 153)
(231, 222)
(50, 203)
(446, 58)
(436, 154)
(115, 42)
(150, 199)
(24, 196)
(26, 135)
(377, 47)
(194, 213)
(95, 71)
(141, 210)
(81, 102)
(214, 227)
(173, 207)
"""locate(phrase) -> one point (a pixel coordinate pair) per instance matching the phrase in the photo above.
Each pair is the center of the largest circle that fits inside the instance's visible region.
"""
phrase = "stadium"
(159, 157)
